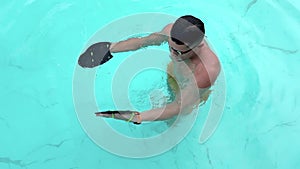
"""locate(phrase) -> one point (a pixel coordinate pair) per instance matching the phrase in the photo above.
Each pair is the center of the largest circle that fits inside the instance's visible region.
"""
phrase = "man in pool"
(190, 55)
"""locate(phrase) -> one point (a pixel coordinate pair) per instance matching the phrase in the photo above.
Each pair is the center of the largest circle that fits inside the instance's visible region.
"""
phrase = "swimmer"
(188, 48)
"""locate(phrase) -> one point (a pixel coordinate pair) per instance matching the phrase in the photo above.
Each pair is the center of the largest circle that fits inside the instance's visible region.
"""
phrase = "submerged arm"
(185, 103)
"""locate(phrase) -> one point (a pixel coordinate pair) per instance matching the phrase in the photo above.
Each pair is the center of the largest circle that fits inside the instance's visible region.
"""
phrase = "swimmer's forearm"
(126, 45)
(137, 43)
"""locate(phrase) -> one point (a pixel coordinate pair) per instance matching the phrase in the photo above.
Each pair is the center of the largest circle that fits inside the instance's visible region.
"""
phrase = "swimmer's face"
(180, 52)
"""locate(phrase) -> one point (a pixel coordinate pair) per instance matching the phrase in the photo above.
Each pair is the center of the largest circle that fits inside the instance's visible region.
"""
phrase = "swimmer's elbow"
(154, 39)
(182, 108)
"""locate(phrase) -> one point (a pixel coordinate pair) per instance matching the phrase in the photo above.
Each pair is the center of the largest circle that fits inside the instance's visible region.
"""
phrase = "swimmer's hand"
(129, 116)
(95, 55)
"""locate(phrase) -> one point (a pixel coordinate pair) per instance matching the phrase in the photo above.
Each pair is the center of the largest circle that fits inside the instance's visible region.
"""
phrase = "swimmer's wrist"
(137, 119)
(111, 47)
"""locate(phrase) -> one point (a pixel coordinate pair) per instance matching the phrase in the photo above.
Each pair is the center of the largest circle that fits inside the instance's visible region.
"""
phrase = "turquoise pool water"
(257, 43)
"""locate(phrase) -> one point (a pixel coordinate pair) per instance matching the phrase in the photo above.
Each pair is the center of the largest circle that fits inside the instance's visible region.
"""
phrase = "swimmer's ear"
(95, 55)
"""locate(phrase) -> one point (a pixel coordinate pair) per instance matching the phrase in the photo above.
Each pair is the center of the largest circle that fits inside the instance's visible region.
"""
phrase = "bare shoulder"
(211, 57)
(167, 29)
(209, 68)
(214, 65)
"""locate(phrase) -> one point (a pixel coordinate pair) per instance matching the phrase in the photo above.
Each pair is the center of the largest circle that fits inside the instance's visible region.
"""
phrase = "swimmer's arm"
(190, 96)
(132, 44)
